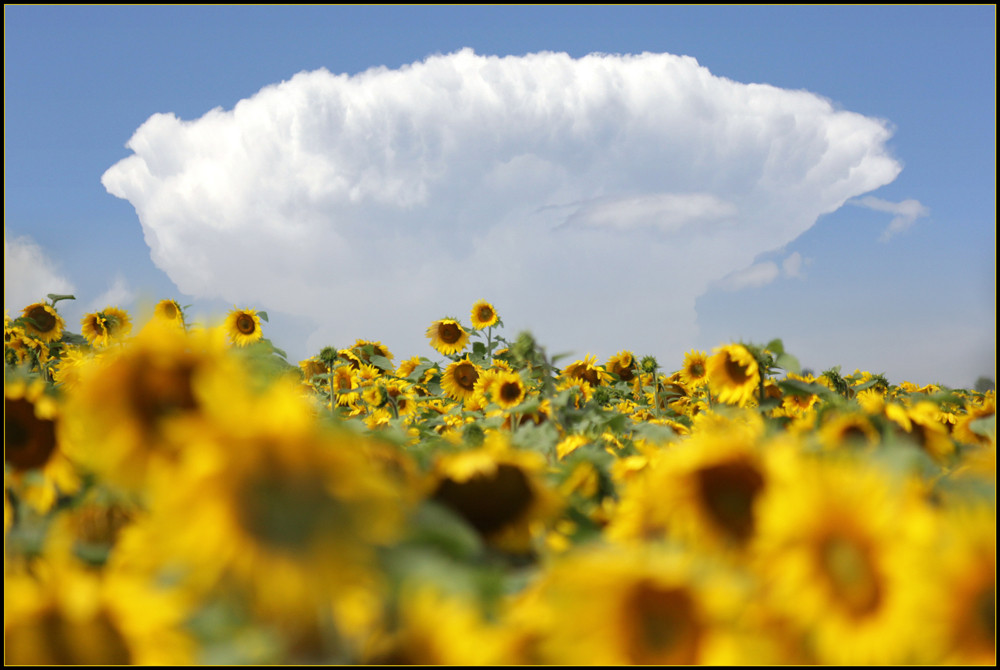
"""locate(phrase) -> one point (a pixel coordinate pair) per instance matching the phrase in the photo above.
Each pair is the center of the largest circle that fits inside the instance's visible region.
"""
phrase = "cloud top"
(576, 194)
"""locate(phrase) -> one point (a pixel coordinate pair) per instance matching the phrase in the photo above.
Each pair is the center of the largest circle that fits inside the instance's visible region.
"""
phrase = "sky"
(647, 178)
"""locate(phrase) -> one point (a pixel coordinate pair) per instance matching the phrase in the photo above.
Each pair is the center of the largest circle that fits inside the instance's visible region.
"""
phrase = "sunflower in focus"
(447, 336)
(43, 322)
(733, 374)
(694, 370)
(459, 379)
(508, 389)
(243, 327)
(483, 315)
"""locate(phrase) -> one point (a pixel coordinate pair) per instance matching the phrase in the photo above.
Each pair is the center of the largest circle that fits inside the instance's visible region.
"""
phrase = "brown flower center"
(511, 392)
(736, 371)
(663, 626)
(488, 501)
(245, 324)
(727, 491)
(28, 440)
(848, 567)
(449, 333)
(44, 321)
(466, 376)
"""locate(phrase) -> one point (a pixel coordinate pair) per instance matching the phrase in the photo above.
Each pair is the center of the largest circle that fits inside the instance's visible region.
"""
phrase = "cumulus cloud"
(792, 265)
(28, 275)
(119, 294)
(592, 199)
(905, 213)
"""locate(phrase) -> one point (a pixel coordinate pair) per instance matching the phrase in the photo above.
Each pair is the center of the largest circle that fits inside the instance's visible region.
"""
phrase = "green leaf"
(788, 362)
(776, 347)
(263, 315)
(381, 362)
(56, 297)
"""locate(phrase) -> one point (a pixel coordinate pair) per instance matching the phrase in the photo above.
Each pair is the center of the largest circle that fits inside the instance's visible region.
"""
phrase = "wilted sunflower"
(483, 315)
(459, 379)
(45, 323)
(243, 326)
(587, 370)
(733, 375)
(447, 336)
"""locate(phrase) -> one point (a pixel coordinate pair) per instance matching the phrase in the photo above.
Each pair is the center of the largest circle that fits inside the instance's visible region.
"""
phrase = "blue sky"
(635, 236)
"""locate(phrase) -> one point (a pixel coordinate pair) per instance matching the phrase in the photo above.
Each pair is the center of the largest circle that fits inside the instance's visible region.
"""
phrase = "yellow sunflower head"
(168, 310)
(243, 327)
(483, 315)
(622, 364)
(508, 390)
(733, 374)
(459, 379)
(43, 322)
(447, 336)
(102, 328)
(694, 371)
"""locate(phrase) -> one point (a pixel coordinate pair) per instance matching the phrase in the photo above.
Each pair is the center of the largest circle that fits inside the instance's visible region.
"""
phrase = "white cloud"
(758, 274)
(28, 275)
(119, 294)
(906, 213)
(792, 265)
(591, 200)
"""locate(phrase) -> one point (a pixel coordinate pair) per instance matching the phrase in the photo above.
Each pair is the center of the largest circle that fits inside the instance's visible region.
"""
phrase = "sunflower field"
(182, 494)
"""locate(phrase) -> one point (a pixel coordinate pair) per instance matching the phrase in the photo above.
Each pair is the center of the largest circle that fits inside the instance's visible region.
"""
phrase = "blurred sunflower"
(984, 408)
(656, 608)
(733, 375)
(168, 310)
(842, 552)
(587, 370)
(109, 325)
(483, 315)
(499, 491)
(459, 379)
(43, 322)
(39, 471)
(447, 336)
(840, 429)
(622, 364)
(243, 326)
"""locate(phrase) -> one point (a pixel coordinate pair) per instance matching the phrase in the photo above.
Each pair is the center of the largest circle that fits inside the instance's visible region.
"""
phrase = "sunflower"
(43, 322)
(622, 364)
(447, 336)
(587, 370)
(499, 491)
(243, 326)
(733, 375)
(378, 349)
(694, 370)
(38, 469)
(168, 310)
(67, 614)
(459, 379)
(656, 607)
(483, 315)
(508, 389)
(967, 574)
(840, 429)
(841, 552)
(102, 328)
(984, 408)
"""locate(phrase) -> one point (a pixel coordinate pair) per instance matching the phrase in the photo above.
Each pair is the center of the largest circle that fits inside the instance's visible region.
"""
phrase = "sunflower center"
(663, 627)
(736, 371)
(285, 511)
(848, 568)
(488, 501)
(728, 491)
(28, 440)
(485, 314)
(449, 333)
(44, 321)
(466, 376)
(510, 392)
(245, 324)
(161, 387)
(169, 310)
(97, 524)
(985, 613)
